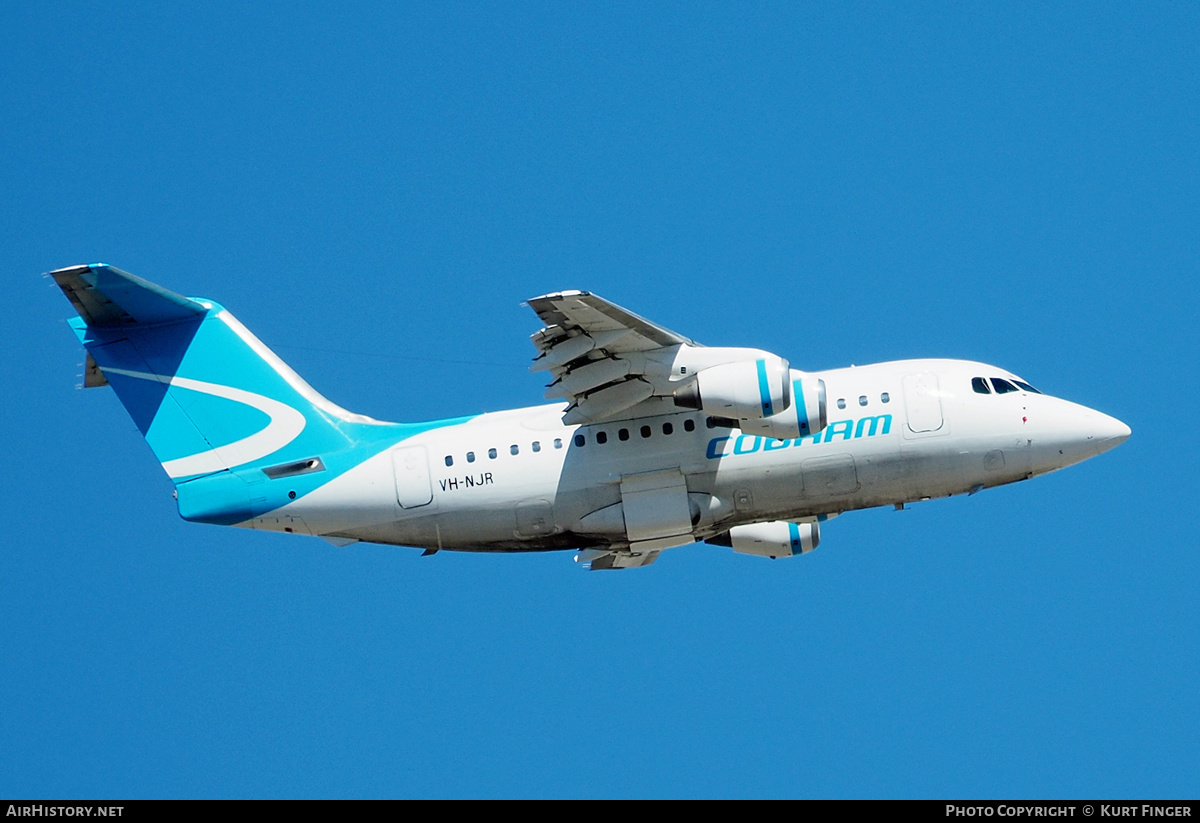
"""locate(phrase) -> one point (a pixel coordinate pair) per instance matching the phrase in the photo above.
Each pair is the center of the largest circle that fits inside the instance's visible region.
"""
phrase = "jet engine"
(744, 390)
(775, 539)
(807, 415)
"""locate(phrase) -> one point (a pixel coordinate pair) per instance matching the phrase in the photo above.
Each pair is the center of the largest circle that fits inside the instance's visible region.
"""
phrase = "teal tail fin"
(222, 413)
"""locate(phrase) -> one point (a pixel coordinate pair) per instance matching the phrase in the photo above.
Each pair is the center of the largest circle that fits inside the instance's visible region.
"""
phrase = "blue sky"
(374, 189)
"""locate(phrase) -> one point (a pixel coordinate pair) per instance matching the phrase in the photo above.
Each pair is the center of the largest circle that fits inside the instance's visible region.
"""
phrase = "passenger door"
(922, 404)
(411, 467)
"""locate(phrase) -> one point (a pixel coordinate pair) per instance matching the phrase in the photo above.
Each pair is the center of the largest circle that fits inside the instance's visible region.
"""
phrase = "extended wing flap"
(602, 559)
(599, 355)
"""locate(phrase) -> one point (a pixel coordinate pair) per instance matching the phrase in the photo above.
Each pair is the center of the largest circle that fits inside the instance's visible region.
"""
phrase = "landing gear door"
(411, 467)
(655, 505)
(923, 404)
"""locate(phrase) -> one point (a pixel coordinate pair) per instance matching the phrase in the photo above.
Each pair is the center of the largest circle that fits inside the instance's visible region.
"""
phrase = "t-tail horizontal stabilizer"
(107, 297)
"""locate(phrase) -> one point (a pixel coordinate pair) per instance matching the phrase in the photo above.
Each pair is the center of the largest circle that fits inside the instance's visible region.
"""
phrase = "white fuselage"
(521, 480)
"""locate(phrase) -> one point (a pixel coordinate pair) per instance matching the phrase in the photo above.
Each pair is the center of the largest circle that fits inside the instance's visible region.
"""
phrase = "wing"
(567, 311)
(602, 359)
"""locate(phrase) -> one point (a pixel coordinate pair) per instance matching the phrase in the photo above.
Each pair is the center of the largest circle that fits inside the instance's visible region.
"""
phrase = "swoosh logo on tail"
(284, 426)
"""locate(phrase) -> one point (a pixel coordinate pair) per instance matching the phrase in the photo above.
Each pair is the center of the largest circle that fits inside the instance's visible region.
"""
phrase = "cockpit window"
(1003, 386)
(1026, 386)
(980, 385)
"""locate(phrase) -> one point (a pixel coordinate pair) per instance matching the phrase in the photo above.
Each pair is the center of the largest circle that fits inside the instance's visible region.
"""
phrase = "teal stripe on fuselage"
(234, 496)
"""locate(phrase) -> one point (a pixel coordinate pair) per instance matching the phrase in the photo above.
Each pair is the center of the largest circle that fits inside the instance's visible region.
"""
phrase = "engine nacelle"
(775, 539)
(806, 416)
(745, 390)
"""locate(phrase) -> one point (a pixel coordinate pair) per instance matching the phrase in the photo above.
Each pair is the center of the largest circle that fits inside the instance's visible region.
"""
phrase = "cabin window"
(885, 398)
(470, 457)
(710, 422)
(841, 402)
(580, 440)
(537, 446)
(623, 434)
(645, 431)
(601, 437)
(449, 460)
(668, 428)
(558, 443)
(980, 385)
(513, 449)
(862, 400)
(491, 454)
(1002, 386)
(689, 425)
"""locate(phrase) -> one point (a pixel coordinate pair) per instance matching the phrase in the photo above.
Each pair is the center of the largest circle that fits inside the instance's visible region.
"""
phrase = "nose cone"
(1062, 433)
(1105, 432)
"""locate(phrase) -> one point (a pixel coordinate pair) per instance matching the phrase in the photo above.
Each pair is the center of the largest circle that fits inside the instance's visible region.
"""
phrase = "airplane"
(655, 441)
